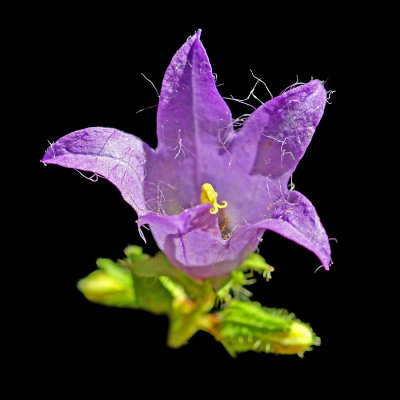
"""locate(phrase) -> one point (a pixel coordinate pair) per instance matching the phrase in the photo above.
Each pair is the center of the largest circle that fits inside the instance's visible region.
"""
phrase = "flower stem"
(189, 316)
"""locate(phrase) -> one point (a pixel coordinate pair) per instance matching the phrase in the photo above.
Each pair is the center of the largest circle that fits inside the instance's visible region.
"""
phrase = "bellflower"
(209, 191)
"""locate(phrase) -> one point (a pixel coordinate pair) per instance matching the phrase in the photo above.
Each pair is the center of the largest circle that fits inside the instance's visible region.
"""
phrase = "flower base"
(221, 307)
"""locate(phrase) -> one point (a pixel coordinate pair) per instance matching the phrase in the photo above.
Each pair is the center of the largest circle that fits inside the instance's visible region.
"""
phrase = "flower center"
(209, 195)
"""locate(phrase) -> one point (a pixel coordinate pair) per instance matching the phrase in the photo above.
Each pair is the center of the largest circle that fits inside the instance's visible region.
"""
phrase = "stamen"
(209, 195)
(224, 222)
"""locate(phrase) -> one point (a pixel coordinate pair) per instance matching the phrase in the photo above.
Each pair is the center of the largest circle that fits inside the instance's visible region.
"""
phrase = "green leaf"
(247, 326)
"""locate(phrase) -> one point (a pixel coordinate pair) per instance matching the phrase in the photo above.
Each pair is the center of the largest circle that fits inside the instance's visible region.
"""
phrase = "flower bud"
(102, 287)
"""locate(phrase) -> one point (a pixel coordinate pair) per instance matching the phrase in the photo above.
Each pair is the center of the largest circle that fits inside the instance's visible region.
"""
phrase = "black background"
(85, 68)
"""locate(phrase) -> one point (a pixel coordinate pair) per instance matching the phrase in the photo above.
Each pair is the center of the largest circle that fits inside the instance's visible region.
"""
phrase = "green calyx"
(221, 307)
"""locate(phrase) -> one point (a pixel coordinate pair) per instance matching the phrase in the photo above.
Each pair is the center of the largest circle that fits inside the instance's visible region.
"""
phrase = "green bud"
(299, 339)
(104, 288)
(114, 285)
(247, 326)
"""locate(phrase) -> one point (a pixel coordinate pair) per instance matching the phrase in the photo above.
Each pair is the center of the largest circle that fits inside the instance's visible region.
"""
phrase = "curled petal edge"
(117, 156)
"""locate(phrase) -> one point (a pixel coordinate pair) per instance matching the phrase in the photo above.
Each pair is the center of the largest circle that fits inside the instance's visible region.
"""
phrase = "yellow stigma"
(209, 195)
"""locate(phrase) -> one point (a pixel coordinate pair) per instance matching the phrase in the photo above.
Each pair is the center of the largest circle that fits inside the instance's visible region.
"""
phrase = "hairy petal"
(275, 136)
(295, 218)
(192, 242)
(193, 121)
(115, 155)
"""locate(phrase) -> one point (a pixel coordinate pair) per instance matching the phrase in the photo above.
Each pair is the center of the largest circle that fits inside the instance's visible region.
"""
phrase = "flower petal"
(275, 136)
(115, 155)
(295, 218)
(192, 242)
(193, 121)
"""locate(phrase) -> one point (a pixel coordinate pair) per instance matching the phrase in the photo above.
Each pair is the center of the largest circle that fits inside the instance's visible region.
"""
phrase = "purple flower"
(208, 192)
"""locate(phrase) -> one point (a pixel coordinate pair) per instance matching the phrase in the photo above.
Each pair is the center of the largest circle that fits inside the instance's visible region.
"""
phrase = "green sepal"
(254, 262)
(154, 267)
(114, 270)
(152, 295)
(234, 288)
(247, 326)
(135, 253)
(243, 276)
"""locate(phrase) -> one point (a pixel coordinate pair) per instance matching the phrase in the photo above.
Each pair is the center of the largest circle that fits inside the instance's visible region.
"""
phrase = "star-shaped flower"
(209, 192)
